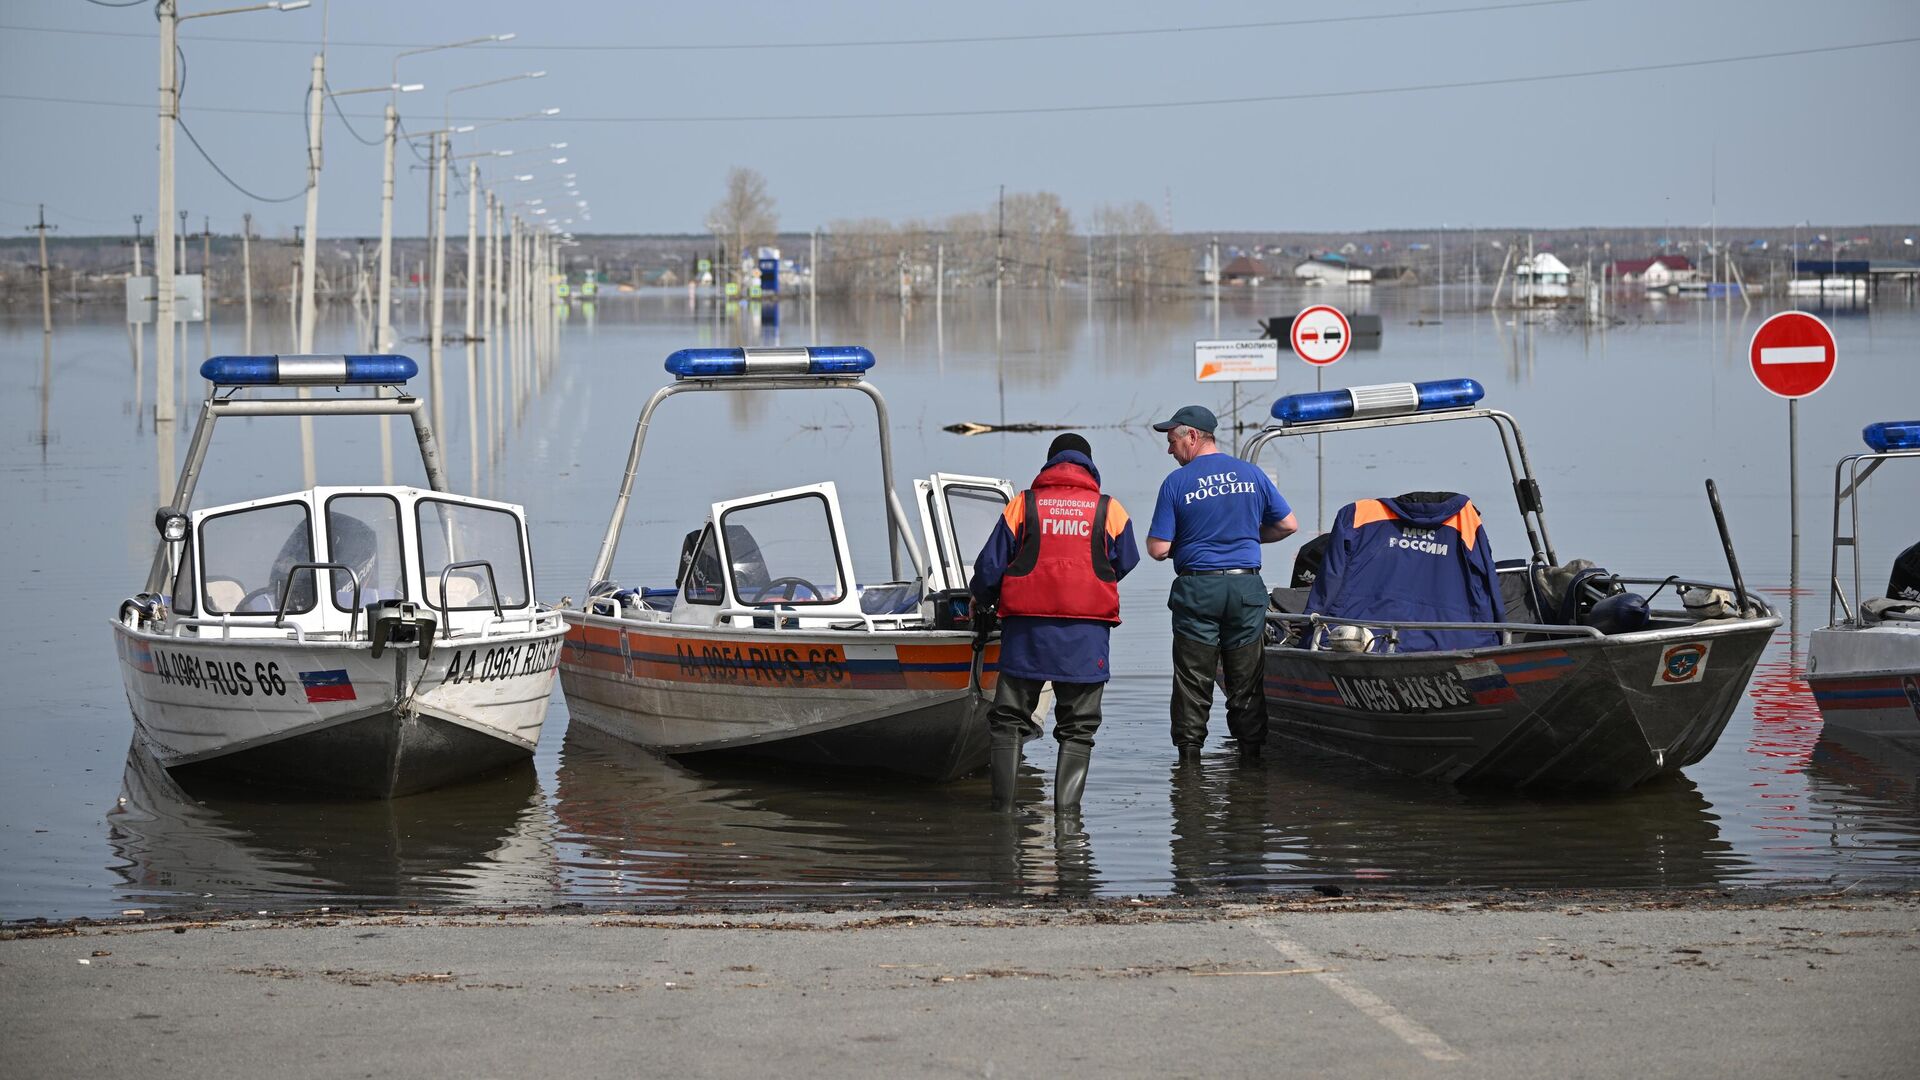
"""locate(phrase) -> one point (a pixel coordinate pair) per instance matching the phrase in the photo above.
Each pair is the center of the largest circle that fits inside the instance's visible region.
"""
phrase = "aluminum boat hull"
(330, 717)
(1574, 714)
(898, 701)
(1867, 679)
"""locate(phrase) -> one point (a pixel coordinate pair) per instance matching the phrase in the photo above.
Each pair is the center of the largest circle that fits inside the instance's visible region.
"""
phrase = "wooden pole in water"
(246, 276)
(46, 278)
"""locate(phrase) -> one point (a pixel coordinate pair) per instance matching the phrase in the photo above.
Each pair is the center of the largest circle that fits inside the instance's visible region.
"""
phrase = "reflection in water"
(1786, 724)
(478, 843)
(1314, 819)
(1867, 794)
(634, 824)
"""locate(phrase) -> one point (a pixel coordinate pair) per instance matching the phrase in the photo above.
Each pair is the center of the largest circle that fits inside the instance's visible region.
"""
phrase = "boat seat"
(890, 598)
(224, 594)
(1291, 601)
(1516, 590)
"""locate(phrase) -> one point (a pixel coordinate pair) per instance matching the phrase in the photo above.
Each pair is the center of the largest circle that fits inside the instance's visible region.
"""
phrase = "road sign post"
(1793, 354)
(1320, 336)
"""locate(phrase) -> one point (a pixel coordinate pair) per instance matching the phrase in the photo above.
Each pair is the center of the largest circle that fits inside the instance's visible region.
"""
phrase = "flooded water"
(1623, 426)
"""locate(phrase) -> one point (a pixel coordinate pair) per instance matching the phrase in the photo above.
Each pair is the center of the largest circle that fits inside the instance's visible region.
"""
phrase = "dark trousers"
(1217, 630)
(1076, 708)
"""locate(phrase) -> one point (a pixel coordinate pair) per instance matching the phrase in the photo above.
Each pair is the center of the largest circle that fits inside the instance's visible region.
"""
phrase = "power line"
(973, 39)
(123, 3)
(1310, 95)
(188, 132)
(341, 113)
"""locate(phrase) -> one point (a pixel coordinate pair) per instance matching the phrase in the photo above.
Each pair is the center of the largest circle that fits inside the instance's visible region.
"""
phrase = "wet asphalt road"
(1618, 988)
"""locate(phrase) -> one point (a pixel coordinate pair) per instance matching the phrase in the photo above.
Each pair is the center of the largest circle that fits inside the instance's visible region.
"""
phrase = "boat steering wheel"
(791, 584)
(268, 596)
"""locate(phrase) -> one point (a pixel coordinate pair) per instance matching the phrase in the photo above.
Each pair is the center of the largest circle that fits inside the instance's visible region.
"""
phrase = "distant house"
(1244, 271)
(1331, 270)
(1657, 272)
(1543, 277)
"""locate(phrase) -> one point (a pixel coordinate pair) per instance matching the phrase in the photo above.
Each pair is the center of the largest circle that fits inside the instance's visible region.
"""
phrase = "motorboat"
(1561, 699)
(765, 643)
(362, 641)
(1864, 665)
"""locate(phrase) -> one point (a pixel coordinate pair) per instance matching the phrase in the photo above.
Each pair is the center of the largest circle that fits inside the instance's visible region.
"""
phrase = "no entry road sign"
(1792, 354)
(1320, 335)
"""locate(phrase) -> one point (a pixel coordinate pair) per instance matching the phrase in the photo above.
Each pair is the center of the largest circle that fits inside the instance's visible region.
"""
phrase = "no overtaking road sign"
(1320, 335)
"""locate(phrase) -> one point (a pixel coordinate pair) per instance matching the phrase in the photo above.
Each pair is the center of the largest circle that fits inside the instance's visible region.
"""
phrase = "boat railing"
(533, 621)
(800, 620)
(1314, 622)
(493, 590)
(286, 593)
(178, 623)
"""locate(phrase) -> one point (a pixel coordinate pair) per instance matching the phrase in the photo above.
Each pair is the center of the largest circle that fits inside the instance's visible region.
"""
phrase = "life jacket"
(1063, 526)
(1420, 557)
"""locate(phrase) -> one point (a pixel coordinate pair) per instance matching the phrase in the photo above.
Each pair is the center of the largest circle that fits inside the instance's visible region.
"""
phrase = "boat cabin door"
(957, 514)
(784, 548)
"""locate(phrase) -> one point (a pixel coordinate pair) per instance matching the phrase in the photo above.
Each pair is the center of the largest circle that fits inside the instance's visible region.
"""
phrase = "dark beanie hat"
(1070, 441)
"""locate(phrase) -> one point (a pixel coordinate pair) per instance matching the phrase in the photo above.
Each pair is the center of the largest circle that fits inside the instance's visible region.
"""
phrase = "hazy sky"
(1828, 137)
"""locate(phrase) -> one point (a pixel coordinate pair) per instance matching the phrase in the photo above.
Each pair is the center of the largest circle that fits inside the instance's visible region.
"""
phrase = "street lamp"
(385, 332)
(168, 13)
(439, 160)
(309, 249)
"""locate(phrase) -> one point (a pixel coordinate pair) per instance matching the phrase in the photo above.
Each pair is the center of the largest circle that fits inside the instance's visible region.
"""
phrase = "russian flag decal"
(327, 685)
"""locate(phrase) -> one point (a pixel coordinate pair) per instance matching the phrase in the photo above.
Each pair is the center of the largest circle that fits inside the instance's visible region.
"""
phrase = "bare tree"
(745, 215)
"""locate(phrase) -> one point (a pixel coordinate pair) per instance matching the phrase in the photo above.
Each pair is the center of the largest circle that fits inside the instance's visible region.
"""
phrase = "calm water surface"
(1622, 426)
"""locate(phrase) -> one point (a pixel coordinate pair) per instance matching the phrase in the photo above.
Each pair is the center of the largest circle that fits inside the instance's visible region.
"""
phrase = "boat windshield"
(783, 551)
(452, 533)
(363, 532)
(973, 512)
(248, 556)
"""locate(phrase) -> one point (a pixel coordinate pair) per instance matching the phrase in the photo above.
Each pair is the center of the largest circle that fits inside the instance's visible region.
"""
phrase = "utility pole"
(206, 283)
(1217, 275)
(166, 11)
(473, 219)
(316, 97)
(434, 322)
(136, 245)
(246, 274)
(383, 335)
(46, 274)
(999, 260)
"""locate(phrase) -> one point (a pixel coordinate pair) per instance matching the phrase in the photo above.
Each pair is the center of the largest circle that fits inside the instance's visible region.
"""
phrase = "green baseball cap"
(1197, 417)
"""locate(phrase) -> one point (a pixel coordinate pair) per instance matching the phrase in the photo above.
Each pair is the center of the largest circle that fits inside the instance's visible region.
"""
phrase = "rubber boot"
(1245, 669)
(1003, 763)
(1070, 777)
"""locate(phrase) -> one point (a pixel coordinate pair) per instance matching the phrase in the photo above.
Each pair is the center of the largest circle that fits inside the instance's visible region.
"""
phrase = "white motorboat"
(765, 643)
(1864, 665)
(368, 641)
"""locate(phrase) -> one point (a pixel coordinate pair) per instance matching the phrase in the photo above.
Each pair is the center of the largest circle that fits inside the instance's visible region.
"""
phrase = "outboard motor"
(1307, 562)
(1904, 584)
(1621, 613)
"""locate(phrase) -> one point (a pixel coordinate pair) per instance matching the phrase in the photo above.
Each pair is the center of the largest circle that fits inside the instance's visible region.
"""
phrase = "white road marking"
(1410, 1031)
(1794, 354)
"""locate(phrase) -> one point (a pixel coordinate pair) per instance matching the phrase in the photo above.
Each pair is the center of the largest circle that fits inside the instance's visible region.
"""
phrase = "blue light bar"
(1386, 399)
(828, 360)
(1891, 435)
(308, 370)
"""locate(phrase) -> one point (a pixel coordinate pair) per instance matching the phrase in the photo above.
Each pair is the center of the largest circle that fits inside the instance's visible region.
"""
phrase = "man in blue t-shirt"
(1212, 515)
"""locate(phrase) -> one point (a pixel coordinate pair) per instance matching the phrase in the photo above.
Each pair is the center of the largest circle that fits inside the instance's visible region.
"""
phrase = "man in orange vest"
(1053, 564)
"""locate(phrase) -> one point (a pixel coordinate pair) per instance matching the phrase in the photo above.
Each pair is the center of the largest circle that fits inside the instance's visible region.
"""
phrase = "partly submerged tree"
(744, 217)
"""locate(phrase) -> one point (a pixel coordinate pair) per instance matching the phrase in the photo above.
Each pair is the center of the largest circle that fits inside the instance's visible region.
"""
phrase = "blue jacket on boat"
(1421, 557)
